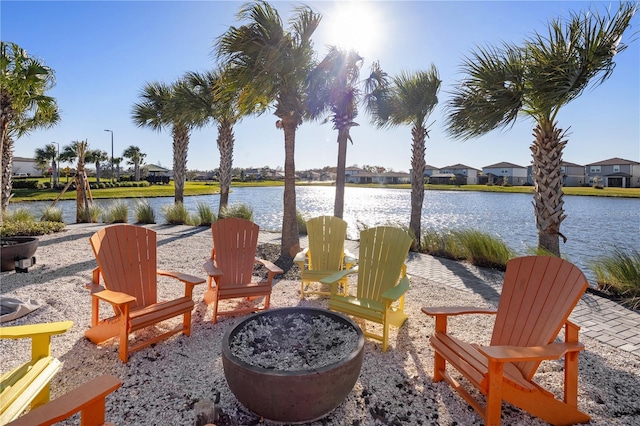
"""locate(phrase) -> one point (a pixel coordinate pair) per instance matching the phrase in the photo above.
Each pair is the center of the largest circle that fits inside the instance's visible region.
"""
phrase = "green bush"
(25, 184)
(241, 210)
(118, 212)
(51, 214)
(483, 249)
(176, 214)
(18, 215)
(302, 223)
(12, 229)
(442, 244)
(144, 212)
(94, 212)
(205, 214)
(619, 273)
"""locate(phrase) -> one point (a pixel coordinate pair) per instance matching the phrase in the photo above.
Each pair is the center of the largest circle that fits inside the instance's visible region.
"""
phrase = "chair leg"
(186, 324)
(124, 335)
(439, 365)
(301, 290)
(494, 393)
(267, 299)
(385, 335)
(214, 318)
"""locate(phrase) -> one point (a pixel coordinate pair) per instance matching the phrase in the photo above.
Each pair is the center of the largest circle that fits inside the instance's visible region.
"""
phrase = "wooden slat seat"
(230, 268)
(538, 294)
(127, 262)
(325, 255)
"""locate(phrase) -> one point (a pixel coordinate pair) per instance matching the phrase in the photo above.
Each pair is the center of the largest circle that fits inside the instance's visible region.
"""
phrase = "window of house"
(616, 169)
(595, 169)
(563, 169)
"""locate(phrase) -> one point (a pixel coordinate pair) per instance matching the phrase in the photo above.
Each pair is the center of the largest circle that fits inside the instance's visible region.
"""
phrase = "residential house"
(458, 174)
(572, 174)
(429, 171)
(497, 174)
(23, 166)
(391, 178)
(615, 172)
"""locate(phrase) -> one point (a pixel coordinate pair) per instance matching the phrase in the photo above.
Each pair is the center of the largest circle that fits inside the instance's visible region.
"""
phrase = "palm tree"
(46, 154)
(97, 157)
(208, 97)
(116, 162)
(333, 86)
(24, 81)
(136, 158)
(271, 65)
(159, 109)
(411, 98)
(78, 150)
(536, 80)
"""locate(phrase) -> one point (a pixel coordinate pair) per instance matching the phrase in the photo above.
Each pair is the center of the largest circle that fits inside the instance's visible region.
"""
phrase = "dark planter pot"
(292, 396)
(17, 248)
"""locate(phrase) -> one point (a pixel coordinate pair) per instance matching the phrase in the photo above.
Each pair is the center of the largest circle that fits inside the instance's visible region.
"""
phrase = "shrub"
(118, 212)
(144, 212)
(442, 244)
(12, 229)
(19, 215)
(25, 184)
(51, 214)
(241, 210)
(94, 212)
(302, 223)
(483, 249)
(176, 214)
(205, 214)
(619, 273)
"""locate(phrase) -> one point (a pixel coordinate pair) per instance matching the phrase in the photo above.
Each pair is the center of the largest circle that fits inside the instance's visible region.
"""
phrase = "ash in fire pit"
(295, 341)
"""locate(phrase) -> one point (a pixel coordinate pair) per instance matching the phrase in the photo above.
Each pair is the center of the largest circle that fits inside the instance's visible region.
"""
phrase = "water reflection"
(593, 225)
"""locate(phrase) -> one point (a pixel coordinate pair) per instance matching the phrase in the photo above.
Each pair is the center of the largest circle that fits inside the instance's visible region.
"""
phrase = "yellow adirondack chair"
(88, 399)
(382, 281)
(325, 254)
(231, 266)
(28, 384)
(538, 294)
(126, 256)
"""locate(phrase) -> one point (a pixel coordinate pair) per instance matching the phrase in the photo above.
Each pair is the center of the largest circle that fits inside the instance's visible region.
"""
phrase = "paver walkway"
(598, 317)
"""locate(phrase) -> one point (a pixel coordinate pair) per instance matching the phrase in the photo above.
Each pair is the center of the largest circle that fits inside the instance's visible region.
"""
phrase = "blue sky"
(104, 52)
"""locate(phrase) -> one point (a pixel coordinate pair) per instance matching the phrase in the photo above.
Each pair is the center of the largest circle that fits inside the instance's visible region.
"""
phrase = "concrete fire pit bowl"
(293, 365)
(17, 248)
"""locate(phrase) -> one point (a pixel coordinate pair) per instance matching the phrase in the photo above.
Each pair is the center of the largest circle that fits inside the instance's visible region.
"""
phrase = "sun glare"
(355, 25)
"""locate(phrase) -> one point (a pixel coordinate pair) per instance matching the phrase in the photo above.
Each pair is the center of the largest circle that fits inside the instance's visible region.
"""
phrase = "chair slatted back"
(382, 254)
(234, 250)
(326, 243)
(538, 295)
(126, 256)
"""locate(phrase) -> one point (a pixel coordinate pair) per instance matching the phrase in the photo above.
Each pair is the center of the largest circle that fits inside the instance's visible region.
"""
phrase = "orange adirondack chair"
(325, 254)
(126, 256)
(382, 281)
(231, 266)
(538, 294)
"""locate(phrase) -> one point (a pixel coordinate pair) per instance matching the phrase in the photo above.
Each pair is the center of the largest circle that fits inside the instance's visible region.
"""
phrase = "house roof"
(503, 165)
(614, 161)
(155, 169)
(395, 174)
(459, 166)
(23, 159)
(566, 163)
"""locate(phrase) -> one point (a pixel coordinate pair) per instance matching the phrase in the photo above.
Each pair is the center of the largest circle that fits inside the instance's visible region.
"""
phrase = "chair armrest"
(301, 256)
(398, 291)
(114, 297)
(185, 278)
(529, 353)
(88, 396)
(337, 276)
(350, 258)
(32, 330)
(456, 310)
(211, 269)
(271, 267)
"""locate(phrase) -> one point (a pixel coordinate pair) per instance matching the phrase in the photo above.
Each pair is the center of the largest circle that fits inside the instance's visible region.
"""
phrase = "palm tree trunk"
(7, 168)
(338, 206)
(225, 146)
(417, 182)
(290, 239)
(546, 151)
(180, 150)
(83, 215)
(97, 172)
(136, 170)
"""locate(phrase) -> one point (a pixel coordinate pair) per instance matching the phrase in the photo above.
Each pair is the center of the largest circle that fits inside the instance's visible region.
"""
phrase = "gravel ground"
(162, 383)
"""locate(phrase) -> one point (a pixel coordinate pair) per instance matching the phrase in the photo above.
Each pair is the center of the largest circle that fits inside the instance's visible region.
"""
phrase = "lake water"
(594, 225)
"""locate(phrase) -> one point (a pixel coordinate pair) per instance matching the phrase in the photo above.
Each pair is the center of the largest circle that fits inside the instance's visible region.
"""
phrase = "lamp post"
(56, 173)
(111, 131)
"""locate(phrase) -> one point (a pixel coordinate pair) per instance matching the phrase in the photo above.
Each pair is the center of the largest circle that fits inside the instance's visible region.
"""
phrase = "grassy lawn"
(206, 188)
